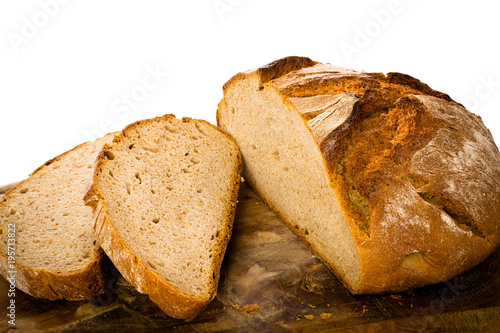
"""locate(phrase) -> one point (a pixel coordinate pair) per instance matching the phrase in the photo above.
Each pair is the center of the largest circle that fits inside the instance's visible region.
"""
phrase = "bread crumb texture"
(56, 252)
(166, 190)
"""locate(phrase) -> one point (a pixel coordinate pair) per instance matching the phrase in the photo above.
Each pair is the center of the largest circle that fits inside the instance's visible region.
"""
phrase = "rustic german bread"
(164, 194)
(392, 184)
(55, 254)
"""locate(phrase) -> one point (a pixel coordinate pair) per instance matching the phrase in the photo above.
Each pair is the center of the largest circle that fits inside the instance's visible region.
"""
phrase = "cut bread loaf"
(392, 184)
(47, 243)
(164, 194)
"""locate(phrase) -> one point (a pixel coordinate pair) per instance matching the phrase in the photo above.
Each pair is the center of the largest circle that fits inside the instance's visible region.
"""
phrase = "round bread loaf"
(391, 183)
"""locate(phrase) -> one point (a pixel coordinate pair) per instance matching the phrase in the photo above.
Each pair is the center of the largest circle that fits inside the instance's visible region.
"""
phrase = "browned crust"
(283, 66)
(78, 286)
(407, 80)
(388, 263)
(81, 285)
(276, 69)
(172, 301)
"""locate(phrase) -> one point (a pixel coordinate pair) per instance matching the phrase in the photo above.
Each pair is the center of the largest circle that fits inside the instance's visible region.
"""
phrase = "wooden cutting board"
(271, 282)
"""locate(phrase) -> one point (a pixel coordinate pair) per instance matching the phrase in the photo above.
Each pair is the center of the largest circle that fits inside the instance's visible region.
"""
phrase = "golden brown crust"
(78, 286)
(414, 172)
(276, 69)
(282, 66)
(81, 285)
(172, 301)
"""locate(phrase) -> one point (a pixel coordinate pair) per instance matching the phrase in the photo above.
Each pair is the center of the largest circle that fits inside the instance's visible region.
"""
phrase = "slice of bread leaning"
(164, 195)
(392, 184)
(48, 247)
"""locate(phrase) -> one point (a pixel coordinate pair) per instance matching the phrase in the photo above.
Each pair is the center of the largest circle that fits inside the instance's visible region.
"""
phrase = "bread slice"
(392, 184)
(164, 195)
(47, 243)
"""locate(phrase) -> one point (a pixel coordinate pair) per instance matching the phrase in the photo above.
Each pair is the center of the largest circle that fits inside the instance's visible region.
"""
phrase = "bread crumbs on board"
(325, 315)
(249, 308)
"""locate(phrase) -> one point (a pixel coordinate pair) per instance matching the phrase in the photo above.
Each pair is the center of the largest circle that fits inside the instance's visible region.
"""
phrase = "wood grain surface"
(270, 282)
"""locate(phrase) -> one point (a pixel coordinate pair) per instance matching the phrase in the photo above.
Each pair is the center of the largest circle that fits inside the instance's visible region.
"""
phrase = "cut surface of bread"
(46, 229)
(164, 195)
(392, 184)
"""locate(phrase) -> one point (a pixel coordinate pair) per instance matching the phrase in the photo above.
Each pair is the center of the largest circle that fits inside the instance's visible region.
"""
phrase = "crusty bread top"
(415, 172)
(56, 252)
(164, 194)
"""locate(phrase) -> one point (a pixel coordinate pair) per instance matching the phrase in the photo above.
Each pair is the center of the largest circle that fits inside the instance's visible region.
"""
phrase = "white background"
(65, 66)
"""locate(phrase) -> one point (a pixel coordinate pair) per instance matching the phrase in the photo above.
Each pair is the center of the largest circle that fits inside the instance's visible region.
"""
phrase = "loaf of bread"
(48, 247)
(164, 195)
(392, 184)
